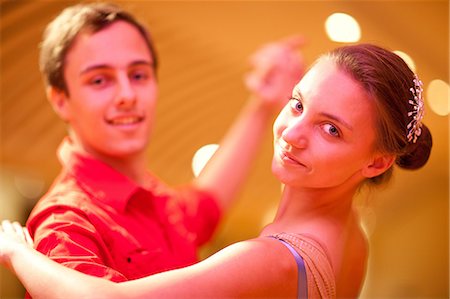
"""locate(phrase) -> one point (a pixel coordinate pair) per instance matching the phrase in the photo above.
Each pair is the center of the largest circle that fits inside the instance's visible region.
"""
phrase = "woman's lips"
(288, 157)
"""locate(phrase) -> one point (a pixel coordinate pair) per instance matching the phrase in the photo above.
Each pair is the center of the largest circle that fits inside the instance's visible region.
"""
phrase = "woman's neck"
(329, 201)
(328, 217)
(303, 209)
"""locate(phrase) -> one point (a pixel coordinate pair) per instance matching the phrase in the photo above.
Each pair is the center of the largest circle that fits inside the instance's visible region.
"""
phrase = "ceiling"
(204, 48)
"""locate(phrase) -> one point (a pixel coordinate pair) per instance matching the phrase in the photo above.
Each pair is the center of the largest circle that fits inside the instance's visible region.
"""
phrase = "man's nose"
(126, 97)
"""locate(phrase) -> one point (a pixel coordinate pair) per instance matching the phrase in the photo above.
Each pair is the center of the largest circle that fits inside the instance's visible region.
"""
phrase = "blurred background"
(204, 47)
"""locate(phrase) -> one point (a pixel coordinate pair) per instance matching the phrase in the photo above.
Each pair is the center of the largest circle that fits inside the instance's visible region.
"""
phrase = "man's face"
(111, 92)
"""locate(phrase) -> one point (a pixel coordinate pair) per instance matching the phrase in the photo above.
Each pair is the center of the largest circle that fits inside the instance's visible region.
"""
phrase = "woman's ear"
(379, 164)
(58, 99)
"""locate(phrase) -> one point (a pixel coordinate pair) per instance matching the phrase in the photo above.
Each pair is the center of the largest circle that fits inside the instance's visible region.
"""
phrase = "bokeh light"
(202, 156)
(341, 27)
(438, 97)
(409, 61)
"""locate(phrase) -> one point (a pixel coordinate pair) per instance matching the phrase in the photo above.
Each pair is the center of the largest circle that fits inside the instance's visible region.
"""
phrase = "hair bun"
(418, 152)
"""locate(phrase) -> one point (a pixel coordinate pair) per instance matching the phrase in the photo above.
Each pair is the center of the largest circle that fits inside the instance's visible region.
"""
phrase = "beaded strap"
(302, 283)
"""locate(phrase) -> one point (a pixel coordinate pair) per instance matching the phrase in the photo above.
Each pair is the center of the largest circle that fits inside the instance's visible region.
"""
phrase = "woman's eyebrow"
(337, 119)
(297, 92)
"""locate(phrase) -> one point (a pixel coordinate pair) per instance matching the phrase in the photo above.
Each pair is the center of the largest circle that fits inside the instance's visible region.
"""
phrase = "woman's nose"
(295, 133)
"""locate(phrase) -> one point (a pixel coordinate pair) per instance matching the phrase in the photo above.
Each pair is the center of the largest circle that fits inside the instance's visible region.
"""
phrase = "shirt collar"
(98, 178)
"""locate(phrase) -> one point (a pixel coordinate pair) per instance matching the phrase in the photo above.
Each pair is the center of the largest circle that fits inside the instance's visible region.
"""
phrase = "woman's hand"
(12, 236)
(276, 68)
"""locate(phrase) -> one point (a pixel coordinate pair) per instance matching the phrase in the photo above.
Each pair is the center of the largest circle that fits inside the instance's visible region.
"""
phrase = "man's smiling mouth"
(125, 120)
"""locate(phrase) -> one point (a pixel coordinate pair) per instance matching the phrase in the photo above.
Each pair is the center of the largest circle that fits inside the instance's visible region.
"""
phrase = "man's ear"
(379, 164)
(58, 99)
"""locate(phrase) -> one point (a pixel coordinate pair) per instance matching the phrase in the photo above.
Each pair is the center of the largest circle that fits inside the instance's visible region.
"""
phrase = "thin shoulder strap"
(302, 283)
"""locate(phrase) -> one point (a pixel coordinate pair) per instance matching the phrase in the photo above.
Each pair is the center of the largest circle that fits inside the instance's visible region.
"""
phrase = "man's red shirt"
(97, 221)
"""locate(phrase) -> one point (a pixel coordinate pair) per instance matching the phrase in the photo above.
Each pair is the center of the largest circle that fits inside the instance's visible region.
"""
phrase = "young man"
(106, 215)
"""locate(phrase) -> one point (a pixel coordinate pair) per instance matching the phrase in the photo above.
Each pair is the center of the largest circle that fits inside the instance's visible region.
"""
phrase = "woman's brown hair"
(387, 80)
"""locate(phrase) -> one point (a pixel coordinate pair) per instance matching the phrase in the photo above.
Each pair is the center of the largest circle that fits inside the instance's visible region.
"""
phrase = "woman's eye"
(296, 104)
(332, 130)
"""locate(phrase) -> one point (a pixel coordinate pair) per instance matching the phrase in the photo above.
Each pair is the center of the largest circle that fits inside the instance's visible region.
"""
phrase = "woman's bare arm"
(254, 268)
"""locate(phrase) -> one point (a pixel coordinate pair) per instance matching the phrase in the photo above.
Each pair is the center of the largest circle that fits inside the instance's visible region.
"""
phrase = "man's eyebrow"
(107, 66)
(143, 62)
(94, 67)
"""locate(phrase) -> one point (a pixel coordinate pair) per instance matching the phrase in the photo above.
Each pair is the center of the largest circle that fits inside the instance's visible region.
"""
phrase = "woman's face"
(324, 137)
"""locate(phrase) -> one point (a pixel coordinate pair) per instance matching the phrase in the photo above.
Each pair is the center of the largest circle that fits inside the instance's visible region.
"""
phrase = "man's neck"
(132, 166)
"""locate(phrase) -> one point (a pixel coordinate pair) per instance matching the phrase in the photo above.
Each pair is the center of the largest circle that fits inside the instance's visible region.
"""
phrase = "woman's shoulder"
(319, 270)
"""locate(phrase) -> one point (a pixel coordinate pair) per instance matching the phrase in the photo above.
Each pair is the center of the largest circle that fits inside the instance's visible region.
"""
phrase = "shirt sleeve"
(201, 213)
(65, 235)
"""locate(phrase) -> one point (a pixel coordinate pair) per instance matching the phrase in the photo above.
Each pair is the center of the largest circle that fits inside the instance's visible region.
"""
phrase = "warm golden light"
(409, 61)
(202, 156)
(29, 187)
(438, 97)
(341, 27)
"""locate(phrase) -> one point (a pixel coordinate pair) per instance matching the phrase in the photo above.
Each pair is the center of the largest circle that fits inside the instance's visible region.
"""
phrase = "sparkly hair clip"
(414, 127)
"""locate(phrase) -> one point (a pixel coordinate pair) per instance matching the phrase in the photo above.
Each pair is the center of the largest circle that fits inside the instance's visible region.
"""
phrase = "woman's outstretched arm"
(254, 268)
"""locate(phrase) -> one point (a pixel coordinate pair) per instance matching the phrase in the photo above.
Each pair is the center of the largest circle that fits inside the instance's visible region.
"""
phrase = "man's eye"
(139, 75)
(98, 81)
(296, 104)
